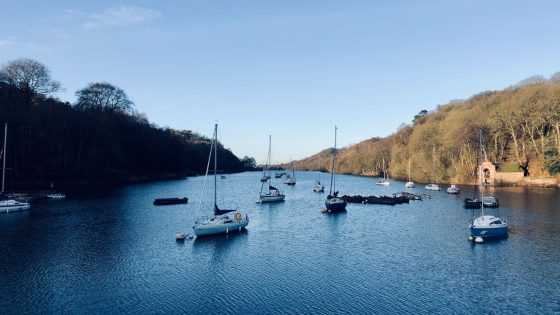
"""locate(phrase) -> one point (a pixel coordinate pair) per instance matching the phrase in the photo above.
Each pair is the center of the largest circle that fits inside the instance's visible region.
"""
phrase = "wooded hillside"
(520, 124)
(100, 139)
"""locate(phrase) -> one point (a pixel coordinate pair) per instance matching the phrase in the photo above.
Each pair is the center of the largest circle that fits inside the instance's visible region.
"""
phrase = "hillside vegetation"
(520, 124)
(100, 139)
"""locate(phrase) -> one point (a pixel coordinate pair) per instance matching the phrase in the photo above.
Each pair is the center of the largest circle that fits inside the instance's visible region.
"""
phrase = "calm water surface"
(113, 251)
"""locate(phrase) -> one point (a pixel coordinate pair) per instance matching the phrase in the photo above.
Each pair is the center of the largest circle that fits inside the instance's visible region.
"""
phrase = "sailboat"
(384, 182)
(486, 225)
(409, 184)
(433, 186)
(224, 220)
(273, 193)
(319, 187)
(334, 203)
(9, 204)
(291, 180)
(473, 203)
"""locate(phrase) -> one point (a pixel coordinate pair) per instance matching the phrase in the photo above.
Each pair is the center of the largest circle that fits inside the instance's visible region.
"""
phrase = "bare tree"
(30, 77)
(103, 96)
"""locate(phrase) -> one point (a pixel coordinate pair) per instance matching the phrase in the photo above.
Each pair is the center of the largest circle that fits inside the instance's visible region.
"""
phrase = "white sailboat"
(385, 181)
(273, 194)
(224, 220)
(9, 204)
(291, 180)
(409, 184)
(319, 187)
(486, 226)
(433, 186)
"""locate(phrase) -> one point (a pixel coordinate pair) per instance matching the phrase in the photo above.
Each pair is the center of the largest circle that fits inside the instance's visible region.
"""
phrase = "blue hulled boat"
(486, 226)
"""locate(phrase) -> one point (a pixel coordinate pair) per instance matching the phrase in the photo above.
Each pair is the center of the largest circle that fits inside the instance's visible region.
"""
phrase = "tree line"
(520, 124)
(99, 139)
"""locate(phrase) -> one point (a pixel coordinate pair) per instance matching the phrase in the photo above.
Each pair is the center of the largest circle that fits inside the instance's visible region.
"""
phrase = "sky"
(291, 69)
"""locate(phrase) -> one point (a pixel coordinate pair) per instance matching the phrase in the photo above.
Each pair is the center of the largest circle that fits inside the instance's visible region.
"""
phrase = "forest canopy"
(99, 139)
(520, 125)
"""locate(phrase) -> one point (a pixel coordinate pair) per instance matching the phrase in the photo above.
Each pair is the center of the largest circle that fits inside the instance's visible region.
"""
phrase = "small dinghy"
(170, 201)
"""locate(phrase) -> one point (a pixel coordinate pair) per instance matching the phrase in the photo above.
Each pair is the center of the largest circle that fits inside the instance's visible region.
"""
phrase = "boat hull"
(489, 231)
(170, 201)
(472, 204)
(207, 230)
(272, 198)
(432, 187)
(335, 205)
(56, 197)
(410, 185)
(14, 207)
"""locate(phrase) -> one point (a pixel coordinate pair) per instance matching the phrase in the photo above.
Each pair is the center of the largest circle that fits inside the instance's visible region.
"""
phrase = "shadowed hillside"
(99, 140)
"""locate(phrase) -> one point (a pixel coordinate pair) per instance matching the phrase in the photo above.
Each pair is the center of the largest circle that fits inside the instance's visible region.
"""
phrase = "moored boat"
(490, 202)
(334, 204)
(224, 221)
(11, 205)
(432, 187)
(384, 181)
(319, 187)
(56, 196)
(170, 201)
(273, 194)
(484, 225)
(409, 184)
(453, 190)
(472, 203)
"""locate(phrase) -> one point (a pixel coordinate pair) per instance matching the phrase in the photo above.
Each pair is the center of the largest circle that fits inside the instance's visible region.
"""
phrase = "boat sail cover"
(218, 211)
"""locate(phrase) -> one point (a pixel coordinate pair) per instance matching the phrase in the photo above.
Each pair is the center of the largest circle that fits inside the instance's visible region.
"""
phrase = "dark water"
(113, 252)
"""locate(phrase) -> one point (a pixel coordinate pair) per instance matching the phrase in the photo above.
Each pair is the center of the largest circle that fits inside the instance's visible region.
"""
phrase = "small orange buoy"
(324, 211)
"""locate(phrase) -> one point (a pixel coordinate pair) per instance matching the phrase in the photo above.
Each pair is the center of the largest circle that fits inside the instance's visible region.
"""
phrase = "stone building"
(492, 176)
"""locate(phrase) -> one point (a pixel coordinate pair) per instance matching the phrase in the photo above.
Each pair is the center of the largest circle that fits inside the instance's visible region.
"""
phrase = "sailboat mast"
(269, 160)
(409, 169)
(4, 159)
(481, 174)
(333, 163)
(215, 163)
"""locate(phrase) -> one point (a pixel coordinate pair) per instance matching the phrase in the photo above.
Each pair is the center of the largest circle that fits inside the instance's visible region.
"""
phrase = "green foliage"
(509, 167)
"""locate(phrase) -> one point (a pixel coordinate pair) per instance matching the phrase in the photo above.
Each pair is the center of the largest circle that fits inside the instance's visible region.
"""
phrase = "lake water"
(114, 252)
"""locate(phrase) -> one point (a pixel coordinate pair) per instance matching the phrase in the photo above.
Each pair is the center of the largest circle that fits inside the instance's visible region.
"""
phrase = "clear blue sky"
(292, 69)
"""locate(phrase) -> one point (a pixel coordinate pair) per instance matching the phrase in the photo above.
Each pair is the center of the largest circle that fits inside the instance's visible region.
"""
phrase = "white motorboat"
(453, 190)
(224, 220)
(56, 196)
(432, 187)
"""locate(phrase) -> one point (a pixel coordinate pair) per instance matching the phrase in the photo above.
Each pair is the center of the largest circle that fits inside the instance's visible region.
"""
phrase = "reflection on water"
(113, 251)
